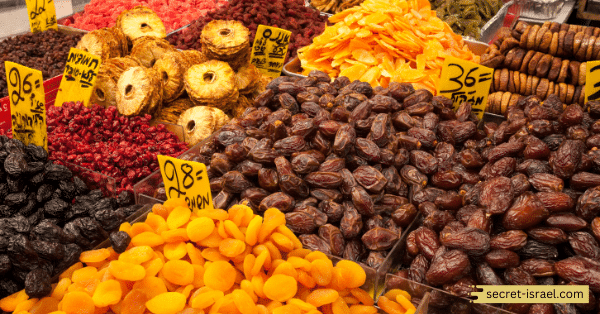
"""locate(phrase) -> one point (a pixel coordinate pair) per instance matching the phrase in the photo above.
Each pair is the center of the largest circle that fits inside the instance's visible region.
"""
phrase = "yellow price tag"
(463, 80)
(27, 104)
(42, 15)
(79, 77)
(187, 180)
(269, 49)
(592, 81)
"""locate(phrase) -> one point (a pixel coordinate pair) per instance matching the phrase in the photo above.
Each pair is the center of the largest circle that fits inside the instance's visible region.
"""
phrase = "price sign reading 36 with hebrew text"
(465, 81)
(79, 77)
(269, 49)
(27, 104)
(42, 15)
(592, 81)
(187, 180)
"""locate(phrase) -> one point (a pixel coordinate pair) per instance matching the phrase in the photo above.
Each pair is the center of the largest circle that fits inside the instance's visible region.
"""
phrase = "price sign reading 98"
(465, 81)
(187, 180)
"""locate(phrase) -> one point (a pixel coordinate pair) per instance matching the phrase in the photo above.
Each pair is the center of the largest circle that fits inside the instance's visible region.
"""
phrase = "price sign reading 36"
(465, 81)
(187, 180)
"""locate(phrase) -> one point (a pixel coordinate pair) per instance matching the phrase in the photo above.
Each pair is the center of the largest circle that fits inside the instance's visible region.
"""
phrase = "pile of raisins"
(45, 51)
(292, 15)
(47, 218)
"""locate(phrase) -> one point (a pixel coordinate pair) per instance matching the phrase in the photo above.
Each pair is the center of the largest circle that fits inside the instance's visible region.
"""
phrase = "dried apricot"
(178, 217)
(175, 250)
(107, 293)
(273, 287)
(134, 302)
(253, 229)
(77, 302)
(44, 306)
(166, 303)
(206, 299)
(232, 247)
(147, 238)
(320, 297)
(200, 228)
(354, 275)
(178, 272)
(94, 256)
(321, 271)
(219, 275)
(232, 229)
(137, 255)
(244, 302)
(151, 287)
(126, 271)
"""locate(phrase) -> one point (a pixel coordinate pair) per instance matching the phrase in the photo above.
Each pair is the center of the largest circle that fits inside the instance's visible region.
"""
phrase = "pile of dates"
(518, 206)
(47, 218)
(338, 158)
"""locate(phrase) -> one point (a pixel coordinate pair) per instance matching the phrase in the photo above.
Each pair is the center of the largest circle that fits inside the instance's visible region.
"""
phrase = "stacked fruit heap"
(195, 89)
(45, 51)
(209, 261)
(517, 202)
(292, 15)
(334, 6)
(47, 217)
(383, 41)
(174, 14)
(541, 60)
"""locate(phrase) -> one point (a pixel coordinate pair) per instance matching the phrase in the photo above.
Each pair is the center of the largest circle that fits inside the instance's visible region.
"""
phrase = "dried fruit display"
(525, 208)
(228, 41)
(334, 6)
(28, 49)
(124, 148)
(105, 43)
(140, 22)
(200, 122)
(381, 42)
(212, 261)
(174, 14)
(47, 217)
(304, 22)
(334, 156)
(540, 60)
(466, 17)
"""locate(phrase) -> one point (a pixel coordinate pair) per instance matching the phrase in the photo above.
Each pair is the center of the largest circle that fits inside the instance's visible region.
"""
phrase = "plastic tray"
(489, 30)
(293, 68)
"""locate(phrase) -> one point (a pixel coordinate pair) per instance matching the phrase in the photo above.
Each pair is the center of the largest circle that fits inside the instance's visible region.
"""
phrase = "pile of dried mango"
(383, 41)
(208, 261)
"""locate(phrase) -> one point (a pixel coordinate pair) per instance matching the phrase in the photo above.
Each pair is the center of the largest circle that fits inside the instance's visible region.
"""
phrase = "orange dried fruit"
(253, 229)
(320, 297)
(107, 293)
(84, 273)
(137, 255)
(175, 235)
(243, 302)
(200, 228)
(389, 306)
(178, 217)
(126, 271)
(322, 271)
(354, 275)
(151, 287)
(232, 247)
(147, 238)
(273, 287)
(134, 302)
(206, 299)
(166, 303)
(362, 309)
(94, 256)
(175, 250)
(219, 275)
(77, 302)
(44, 306)
(178, 272)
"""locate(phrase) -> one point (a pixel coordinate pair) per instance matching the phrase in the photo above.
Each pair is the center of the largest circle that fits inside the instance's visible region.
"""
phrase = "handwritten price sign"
(592, 81)
(269, 49)
(27, 104)
(187, 180)
(465, 81)
(42, 15)
(79, 77)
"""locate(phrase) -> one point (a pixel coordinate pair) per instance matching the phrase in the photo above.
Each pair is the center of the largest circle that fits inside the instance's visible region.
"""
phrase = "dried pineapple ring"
(147, 50)
(140, 21)
(173, 110)
(104, 43)
(105, 90)
(213, 83)
(227, 41)
(200, 122)
(247, 79)
(171, 68)
(138, 90)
